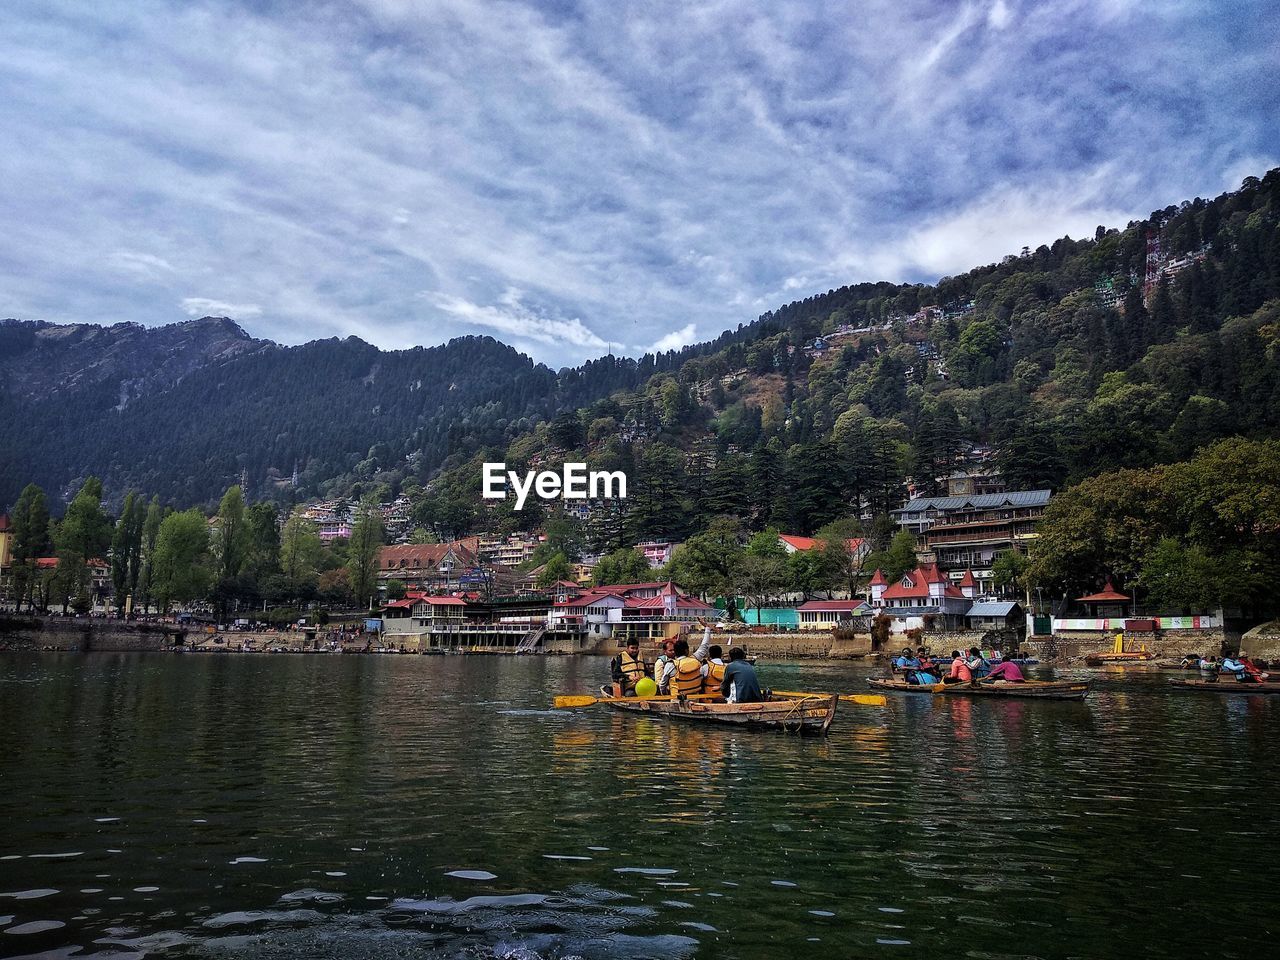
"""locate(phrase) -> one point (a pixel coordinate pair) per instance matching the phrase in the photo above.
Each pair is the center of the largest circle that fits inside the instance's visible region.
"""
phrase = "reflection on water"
(388, 806)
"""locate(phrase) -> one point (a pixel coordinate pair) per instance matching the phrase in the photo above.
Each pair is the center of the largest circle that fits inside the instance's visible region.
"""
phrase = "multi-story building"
(970, 532)
(657, 552)
(428, 566)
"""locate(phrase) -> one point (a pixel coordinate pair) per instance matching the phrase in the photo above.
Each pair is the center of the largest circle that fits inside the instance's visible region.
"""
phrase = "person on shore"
(1005, 670)
(627, 669)
(740, 683)
(684, 672)
(715, 670)
(960, 672)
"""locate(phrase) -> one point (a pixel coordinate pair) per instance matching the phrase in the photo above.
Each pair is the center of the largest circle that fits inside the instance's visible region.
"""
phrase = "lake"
(383, 806)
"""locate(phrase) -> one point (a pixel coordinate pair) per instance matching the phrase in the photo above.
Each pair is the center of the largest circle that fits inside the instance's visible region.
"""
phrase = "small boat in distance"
(1133, 656)
(805, 715)
(1227, 685)
(1033, 689)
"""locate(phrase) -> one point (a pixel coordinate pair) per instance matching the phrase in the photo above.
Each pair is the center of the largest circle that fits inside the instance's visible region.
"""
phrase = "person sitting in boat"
(740, 683)
(978, 665)
(905, 661)
(925, 658)
(628, 668)
(925, 676)
(684, 673)
(1191, 661)
(960, 672)
(661, 667)
(1005, 670)
(1243, 669)
(715, 670)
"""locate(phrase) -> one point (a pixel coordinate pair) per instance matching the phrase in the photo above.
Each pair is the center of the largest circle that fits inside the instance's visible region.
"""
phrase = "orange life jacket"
(688, 676)
(715, 676)
(632, 669)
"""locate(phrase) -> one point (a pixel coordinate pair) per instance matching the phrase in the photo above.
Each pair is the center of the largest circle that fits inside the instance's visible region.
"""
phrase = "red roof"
(420, 556)
(442, 601)
(46, 563)
(808, 543)
(920, 578)
(878, 580)
(1107, 594)
(967, 580)
(404, 604)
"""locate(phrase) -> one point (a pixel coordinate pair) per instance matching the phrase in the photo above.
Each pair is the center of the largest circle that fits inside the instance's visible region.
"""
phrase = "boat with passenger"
(1033, 689)
(805, 714)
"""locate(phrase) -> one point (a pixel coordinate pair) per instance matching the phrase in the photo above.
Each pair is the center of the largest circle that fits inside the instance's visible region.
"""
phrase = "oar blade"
(867, 699)
(564, 702)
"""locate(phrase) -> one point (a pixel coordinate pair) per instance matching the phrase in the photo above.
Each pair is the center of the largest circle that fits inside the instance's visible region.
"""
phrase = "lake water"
(347, 807)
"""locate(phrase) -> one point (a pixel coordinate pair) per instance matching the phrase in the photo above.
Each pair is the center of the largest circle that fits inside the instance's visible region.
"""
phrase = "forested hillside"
(1053, 360)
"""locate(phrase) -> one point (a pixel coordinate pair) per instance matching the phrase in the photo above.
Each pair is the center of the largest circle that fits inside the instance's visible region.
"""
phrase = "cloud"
(675, 339)
(203, 307)
(512, 317)
(575, 176)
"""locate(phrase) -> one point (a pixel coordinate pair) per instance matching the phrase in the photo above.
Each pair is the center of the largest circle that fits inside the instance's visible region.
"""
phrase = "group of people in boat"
(921, 667)
(677, 672)
(1238, 665)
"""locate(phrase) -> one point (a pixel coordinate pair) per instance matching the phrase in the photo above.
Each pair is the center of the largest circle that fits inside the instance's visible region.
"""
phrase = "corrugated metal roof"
(984, 501)
(991, 608)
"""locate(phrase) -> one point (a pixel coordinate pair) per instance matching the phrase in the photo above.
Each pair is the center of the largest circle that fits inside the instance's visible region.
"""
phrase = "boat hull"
(1227, 685)
(1032, 689)
(809, 716)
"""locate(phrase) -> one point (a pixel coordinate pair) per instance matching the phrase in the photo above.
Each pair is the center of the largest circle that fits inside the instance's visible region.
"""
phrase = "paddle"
(863, 699)
(587, 701)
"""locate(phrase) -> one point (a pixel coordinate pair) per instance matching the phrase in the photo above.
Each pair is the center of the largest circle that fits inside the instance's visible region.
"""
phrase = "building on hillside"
(331, 528)
(657, 552)
(824, 614)
(794, 544)
(426, 567)
(974, 481)
(971, 532)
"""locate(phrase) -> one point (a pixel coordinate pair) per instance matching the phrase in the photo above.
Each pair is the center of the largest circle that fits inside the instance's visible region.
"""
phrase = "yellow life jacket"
(688, 676)
(633, 669)
(715, 676)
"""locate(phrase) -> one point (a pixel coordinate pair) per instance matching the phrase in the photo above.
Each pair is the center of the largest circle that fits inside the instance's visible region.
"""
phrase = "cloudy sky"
(574, 177)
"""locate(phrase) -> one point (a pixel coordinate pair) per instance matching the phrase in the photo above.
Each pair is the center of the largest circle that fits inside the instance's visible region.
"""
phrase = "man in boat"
(665, 668)
(628, 668)
(716, 666)
(1005, 670)
(1243, 669)
(960, 672)
(740, 683)
(684, 673)
(661, 668)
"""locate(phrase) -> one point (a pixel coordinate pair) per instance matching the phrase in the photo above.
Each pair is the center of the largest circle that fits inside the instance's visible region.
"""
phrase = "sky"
(578, 178)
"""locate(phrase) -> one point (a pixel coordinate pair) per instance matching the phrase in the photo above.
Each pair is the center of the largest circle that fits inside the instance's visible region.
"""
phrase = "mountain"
(1131, 347)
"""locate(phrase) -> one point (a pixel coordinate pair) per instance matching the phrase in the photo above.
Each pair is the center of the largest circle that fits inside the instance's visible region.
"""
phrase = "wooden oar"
(587, 701)
(863, 699)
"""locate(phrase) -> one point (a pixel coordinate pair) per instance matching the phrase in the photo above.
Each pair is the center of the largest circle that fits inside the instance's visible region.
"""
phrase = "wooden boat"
(1034, 689)
(803, 715)
(1227, 685)
(1135, 656)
